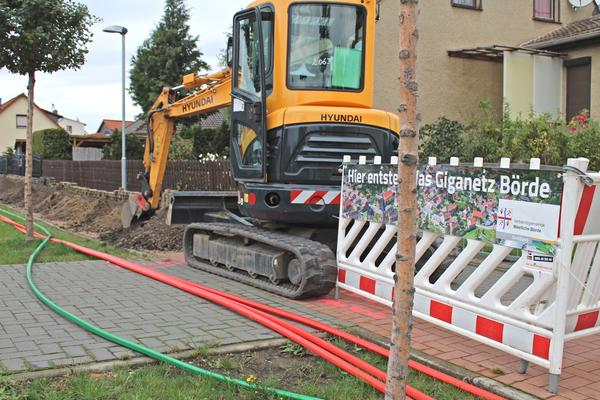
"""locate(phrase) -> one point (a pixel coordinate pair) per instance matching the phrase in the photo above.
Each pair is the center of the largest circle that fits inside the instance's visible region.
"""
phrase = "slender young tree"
(46, 36)
(407, 204)
(169, 53)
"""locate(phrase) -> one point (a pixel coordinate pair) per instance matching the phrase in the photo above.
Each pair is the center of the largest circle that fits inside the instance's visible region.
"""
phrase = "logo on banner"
(504, 217)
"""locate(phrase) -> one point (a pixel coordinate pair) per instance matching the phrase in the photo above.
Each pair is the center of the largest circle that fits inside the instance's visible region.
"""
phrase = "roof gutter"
(567, 40)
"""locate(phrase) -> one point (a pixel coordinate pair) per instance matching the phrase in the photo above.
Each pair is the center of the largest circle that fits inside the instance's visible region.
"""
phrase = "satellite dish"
(580, 3)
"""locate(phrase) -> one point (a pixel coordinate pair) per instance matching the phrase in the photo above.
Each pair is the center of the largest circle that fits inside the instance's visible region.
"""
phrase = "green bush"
(181, 149)
(542, 136)
(441, 139)
(213, 141)
(483, 136)
(584, 140)
(52, 144)
(9, 151)
(134, 147)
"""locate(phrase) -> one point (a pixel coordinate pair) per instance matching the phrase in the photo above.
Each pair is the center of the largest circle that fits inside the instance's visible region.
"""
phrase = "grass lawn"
(14, 249)
(288, 368)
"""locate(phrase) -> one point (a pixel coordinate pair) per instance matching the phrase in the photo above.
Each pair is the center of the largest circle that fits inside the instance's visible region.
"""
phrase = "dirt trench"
(96, 216)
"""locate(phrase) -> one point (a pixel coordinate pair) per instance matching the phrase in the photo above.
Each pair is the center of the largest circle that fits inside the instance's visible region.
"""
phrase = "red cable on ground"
(249, 308)
(417, 366)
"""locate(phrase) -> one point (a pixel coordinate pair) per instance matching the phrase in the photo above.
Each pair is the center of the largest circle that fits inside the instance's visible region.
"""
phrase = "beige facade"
(451, 86)
(10, 133)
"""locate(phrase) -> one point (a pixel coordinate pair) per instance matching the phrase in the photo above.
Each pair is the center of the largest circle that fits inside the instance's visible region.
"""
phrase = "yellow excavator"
(300, 87)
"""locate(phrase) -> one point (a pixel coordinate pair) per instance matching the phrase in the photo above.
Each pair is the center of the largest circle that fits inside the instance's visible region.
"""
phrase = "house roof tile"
(51, 116)
(572, 32)
(112, 124)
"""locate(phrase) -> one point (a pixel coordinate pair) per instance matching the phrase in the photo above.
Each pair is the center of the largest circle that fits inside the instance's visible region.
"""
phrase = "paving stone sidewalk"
(124, 303)
(580, 378)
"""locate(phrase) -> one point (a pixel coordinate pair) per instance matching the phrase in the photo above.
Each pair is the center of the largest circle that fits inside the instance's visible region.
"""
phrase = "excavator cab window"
(230, 52)
(326, 43)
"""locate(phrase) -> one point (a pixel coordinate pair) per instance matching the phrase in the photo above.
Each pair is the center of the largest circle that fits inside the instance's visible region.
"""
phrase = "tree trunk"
(29, 156)
(407, 204)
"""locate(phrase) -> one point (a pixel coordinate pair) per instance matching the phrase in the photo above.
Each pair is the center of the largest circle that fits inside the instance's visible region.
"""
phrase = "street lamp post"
(122, 31)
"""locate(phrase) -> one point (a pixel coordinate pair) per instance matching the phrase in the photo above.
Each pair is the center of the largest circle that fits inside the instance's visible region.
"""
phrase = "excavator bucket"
(133, 208)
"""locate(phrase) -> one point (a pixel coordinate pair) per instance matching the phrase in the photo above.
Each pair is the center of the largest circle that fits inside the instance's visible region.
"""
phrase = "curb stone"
(143, 361)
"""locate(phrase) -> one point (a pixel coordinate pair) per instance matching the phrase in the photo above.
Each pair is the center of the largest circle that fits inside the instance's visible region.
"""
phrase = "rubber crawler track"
(318, 261)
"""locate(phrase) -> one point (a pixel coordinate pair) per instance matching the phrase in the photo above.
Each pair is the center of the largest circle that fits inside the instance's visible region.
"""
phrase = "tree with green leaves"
(169, 53)
(134, 146)
(45, 36)
(52, 144)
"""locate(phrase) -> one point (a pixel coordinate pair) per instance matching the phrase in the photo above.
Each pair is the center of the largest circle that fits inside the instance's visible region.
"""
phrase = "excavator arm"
(213, 93)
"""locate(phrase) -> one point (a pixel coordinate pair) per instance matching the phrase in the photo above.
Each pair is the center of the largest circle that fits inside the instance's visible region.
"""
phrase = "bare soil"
(98, 217)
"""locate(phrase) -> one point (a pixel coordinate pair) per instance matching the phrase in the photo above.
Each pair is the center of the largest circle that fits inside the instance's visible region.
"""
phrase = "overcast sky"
(93, 92)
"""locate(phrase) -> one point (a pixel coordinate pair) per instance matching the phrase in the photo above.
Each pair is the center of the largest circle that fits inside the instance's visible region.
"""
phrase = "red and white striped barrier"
(323, 197)
(468, 292)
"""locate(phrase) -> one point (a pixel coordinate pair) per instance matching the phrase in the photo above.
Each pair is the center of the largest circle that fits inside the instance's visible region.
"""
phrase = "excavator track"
(317, 261)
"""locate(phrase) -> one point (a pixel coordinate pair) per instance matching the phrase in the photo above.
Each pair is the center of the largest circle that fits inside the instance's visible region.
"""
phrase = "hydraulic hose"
(123, 342)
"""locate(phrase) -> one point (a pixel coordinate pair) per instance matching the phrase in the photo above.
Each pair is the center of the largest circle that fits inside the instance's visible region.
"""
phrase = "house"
(527, 53)
(88, 147)
(72, 126)
(108, 126)
(13, 122)
(580, 42)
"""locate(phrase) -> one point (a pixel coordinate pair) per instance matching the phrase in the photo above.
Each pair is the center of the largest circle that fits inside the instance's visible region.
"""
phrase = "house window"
(546, 10)
(70, 129)
(21, 121)
(475, 4)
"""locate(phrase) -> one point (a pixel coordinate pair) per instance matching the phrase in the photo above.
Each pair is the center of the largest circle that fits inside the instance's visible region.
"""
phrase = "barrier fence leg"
(522, 366)
(553, 383)
(572, 189)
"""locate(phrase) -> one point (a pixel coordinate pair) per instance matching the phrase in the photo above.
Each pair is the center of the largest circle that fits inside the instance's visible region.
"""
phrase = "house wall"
(78, 128)
(593, 52)
(450, 86)
(8, 126)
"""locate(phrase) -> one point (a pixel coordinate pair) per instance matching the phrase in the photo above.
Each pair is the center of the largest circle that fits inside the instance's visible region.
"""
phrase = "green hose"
(131, 345)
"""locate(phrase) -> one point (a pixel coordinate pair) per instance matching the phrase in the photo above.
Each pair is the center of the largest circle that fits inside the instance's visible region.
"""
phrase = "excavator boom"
(212, 93)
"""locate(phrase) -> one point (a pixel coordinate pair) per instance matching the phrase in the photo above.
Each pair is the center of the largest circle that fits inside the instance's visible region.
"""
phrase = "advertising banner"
(518, 208)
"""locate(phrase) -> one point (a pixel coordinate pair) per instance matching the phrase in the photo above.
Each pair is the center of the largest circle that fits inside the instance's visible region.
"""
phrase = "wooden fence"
(106, 175)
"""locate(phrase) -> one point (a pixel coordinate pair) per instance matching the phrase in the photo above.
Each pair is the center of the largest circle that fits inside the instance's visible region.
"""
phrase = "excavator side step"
(280, 263)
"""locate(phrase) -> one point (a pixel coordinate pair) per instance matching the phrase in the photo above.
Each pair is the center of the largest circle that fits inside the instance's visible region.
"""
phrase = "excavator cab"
(301, 96)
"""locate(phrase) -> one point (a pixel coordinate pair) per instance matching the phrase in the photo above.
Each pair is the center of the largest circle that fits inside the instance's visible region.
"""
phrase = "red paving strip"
(580, 378)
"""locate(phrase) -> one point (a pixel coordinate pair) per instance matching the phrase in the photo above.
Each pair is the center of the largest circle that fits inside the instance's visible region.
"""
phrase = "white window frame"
(23, 119)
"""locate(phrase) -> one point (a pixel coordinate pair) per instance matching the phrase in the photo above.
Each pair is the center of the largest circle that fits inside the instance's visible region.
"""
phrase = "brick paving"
(580, 378)
(164, 318)
(122, 302)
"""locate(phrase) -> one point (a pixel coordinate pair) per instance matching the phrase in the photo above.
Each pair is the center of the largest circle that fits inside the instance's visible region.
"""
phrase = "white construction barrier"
(526, 305)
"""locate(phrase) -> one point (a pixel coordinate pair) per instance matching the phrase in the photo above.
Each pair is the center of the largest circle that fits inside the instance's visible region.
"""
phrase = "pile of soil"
(94, 216)
(150, 234)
